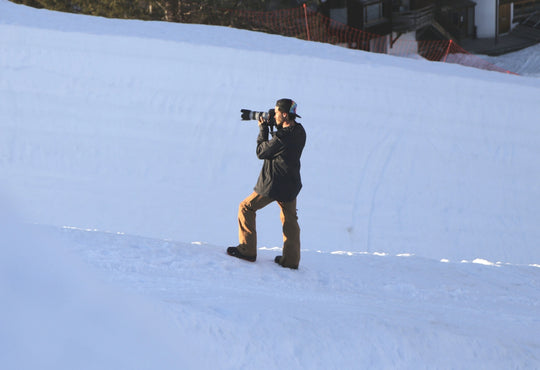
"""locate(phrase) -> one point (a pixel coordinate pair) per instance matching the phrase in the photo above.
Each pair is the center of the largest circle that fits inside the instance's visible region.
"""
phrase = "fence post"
(307, 25)
(447, 51)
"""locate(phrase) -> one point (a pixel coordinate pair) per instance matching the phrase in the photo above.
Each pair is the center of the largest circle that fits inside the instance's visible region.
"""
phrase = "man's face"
(279, 117)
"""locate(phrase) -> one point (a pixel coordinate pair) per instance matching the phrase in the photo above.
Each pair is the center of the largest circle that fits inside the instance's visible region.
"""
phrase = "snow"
(526, 62)
(123, 160)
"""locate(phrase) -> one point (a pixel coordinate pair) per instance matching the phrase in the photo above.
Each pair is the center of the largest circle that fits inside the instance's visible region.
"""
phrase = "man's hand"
(262, 122)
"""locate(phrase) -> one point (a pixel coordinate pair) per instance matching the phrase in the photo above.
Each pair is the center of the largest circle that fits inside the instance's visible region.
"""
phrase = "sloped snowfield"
(123, 160)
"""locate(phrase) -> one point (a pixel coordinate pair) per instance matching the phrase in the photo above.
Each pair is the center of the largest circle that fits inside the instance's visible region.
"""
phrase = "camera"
(252, 115)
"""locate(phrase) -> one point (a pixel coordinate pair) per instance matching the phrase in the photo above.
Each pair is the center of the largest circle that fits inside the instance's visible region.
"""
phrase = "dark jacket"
(280, 175)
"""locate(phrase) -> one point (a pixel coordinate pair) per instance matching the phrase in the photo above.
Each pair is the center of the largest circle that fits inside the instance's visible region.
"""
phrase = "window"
(373, 12)
(339, 15)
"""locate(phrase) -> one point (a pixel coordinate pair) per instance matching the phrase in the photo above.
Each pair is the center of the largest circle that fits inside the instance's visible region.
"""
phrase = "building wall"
(485, 18)
(406, 45)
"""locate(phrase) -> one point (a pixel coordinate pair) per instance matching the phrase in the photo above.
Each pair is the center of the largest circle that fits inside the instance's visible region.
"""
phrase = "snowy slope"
(526, 62)
(121, 145)
(139, 135)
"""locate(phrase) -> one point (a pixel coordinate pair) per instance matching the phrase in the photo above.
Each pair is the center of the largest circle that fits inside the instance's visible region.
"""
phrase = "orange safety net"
(306, 24)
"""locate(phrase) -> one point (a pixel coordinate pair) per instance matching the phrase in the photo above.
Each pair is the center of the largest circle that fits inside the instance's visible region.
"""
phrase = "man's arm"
(268, 149)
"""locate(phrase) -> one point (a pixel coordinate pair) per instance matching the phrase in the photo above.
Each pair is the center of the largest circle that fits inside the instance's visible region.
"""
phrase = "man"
(279, 181)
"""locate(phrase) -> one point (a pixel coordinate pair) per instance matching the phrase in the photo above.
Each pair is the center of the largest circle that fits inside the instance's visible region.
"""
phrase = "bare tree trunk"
(171, 10)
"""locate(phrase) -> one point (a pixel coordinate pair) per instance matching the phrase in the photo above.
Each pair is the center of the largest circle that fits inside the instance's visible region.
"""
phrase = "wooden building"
(368, 15)
(456, 19)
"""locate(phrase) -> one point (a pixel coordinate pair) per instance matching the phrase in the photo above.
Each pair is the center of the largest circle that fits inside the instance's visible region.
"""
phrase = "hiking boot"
(233, 251)
(278, 261)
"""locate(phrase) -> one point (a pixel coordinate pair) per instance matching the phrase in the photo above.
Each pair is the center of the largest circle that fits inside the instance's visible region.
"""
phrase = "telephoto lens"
(253, 115)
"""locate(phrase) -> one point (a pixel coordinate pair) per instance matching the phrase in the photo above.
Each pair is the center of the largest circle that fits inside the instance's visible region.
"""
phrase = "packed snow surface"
(123, 160)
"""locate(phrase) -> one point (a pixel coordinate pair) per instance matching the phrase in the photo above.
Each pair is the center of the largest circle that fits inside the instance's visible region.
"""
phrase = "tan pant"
(247, 233)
